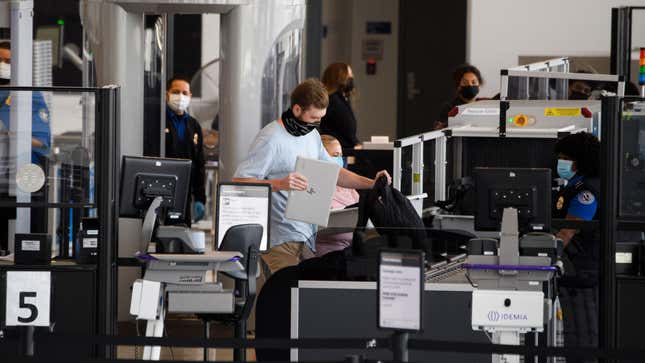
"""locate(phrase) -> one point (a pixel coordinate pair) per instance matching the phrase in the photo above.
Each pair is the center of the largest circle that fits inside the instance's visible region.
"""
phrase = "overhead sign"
(28, 298)
(400, 290)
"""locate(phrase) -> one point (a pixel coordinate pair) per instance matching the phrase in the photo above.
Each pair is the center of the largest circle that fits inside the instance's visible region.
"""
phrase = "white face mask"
(5, 70)
(178, 102)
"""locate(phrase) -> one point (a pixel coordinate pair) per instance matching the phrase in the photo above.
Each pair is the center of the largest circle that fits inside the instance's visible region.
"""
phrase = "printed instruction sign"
(240, 203)
(28, 298)
(400, 290)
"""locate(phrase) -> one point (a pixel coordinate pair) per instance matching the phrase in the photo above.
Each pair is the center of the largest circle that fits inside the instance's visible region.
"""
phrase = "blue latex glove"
(198, 211)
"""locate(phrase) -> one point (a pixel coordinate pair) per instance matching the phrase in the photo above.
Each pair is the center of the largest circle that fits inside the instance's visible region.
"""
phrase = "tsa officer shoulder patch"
(560, 203)
(44, 115)
(196, 138)
(586, 197)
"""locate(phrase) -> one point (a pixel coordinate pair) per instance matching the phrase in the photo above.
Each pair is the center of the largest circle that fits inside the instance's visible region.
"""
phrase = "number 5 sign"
(28, 298)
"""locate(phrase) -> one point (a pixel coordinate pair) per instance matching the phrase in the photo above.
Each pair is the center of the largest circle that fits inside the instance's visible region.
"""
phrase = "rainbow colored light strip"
(641, 72)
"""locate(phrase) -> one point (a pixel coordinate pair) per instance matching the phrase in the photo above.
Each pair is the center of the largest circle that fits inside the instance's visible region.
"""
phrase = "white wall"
(376, 104)
(501, 30)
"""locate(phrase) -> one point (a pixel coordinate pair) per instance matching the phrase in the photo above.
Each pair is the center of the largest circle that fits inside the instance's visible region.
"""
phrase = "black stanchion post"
(27, 340)
(239, 354)
(400, 346)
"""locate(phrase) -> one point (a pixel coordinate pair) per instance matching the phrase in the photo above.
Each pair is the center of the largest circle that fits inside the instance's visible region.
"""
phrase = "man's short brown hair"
(310, 93)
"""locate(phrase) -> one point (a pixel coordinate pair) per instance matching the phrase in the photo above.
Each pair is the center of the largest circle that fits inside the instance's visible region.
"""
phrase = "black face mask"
(469, 92)
(578, 96)
(349, 87)
(295, 126)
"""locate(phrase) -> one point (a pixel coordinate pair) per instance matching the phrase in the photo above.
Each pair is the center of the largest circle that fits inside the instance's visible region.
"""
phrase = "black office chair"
(243, 238)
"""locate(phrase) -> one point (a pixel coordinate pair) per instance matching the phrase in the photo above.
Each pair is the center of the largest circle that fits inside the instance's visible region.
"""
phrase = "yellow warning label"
(568, 112)
(416, 178)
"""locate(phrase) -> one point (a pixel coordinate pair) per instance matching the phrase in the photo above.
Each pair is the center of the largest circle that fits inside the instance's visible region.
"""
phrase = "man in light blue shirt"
(272, 159)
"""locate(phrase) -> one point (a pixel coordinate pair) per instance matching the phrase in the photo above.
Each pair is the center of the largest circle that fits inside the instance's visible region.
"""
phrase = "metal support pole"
(396, 167)
(417, 168)
(400, 346)
(87, 81)
(609, 175)
(440, 165)
(207, 335)
(22, 15)
(503, 93)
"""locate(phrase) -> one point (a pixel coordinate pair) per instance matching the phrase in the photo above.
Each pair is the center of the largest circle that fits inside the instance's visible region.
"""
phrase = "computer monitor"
(241, 203)
(143, 179)
(527, 190)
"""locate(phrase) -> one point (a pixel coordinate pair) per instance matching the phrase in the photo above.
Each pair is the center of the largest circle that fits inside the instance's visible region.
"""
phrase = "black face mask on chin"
(297, 127)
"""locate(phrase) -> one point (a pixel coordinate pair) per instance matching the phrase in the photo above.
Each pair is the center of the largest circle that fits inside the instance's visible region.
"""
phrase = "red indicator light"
(586, 113)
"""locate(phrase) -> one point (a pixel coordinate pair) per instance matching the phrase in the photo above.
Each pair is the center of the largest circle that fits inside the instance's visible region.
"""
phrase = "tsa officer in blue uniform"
(578, 158)
(184, 140)
(40, 130)
(40, 145)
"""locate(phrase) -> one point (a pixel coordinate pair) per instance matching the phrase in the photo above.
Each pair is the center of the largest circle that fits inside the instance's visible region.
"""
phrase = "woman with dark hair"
(340, 121)
(578, 158)
(467, 81)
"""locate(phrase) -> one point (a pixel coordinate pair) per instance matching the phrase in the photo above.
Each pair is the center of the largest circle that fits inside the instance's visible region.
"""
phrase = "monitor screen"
(143, 179)
(242, 203)
(527, 190)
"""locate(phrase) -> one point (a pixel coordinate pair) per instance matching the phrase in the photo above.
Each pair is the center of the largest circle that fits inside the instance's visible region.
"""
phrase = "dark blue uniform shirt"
(178, 121)
(39, 122)
(584, 204)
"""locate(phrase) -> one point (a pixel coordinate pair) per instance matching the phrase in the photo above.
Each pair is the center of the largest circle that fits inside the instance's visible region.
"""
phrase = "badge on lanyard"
(560, 203)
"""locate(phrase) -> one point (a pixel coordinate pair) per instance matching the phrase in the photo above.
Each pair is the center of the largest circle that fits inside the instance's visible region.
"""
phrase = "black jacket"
(191, 147)
(340, 121)
(445, 110)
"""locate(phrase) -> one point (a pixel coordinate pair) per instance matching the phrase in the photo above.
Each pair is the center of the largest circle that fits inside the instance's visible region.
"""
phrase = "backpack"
(394, 217)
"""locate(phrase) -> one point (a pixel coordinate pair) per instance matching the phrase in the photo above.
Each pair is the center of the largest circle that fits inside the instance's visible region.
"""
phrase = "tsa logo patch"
(44, 115)
(586, 198)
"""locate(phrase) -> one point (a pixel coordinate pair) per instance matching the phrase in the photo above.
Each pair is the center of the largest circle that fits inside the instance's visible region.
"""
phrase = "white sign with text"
(400, 287)
(28, 298)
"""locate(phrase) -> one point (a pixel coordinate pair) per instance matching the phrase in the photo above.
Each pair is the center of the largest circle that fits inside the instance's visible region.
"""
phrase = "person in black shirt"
(467, 81)
(340, 121)
(184, 140)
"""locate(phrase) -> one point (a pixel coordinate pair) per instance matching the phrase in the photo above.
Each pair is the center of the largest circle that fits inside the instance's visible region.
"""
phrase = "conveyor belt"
(448, 271)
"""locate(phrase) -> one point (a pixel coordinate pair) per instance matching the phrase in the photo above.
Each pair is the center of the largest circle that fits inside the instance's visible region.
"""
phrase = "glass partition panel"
(532, 88)
(47, 147)
(47, 163)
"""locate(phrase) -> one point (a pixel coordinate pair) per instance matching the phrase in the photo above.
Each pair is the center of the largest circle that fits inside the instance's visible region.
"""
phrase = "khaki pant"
(285, 255)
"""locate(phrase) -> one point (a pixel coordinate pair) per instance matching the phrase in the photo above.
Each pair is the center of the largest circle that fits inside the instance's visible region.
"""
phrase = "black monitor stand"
(169, 239)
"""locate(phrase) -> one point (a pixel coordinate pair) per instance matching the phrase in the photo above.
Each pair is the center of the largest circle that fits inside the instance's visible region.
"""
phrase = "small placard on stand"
(400, 296)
